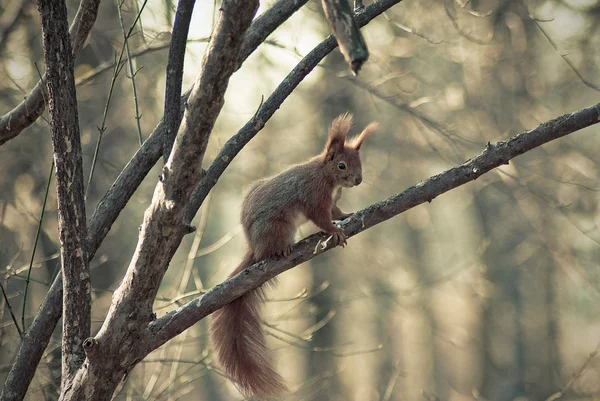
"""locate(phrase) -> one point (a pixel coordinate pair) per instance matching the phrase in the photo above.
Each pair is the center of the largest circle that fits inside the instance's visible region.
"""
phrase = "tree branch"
(33, 344)
(69, 182)
(266, 23)
(173, 323)
(172, 113)
(29, 110)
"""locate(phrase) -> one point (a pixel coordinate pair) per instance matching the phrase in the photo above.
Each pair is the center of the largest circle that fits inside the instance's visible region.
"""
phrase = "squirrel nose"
(357, 180)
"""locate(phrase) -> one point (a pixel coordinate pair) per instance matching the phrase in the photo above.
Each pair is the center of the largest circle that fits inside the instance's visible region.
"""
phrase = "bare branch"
(37, 237)
(116, 72)
(585, 81)
(172, 113)
(69, 182)
(9, 306)
(33, 344)
(173, 323)
(110, 64)
(449, 7)
(563, 391)
(25, 114)
(266, 23)
(130, 62)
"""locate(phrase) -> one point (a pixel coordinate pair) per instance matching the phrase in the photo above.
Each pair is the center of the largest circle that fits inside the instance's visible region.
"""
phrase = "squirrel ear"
(337, 134)
(357, 141)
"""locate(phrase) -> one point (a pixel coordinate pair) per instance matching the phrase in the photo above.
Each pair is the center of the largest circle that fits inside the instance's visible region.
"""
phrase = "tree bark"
(69, 182)
(172, 113)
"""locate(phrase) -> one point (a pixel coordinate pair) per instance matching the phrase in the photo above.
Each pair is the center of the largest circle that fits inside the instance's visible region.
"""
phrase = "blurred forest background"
(486, 293)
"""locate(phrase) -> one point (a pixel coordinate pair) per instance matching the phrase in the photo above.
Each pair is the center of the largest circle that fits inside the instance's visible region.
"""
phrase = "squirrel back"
(271, 213)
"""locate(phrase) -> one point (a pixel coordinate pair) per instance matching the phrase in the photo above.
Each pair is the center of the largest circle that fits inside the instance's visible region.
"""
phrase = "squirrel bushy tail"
(238, 340)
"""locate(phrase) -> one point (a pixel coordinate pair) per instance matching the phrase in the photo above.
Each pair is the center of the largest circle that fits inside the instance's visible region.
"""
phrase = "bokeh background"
(488, 293)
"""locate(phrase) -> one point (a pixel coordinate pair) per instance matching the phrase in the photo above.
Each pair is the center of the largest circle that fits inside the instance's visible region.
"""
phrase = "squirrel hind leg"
(272, 240)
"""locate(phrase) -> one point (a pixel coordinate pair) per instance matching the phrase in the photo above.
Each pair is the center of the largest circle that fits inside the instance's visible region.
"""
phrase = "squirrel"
(271, 212)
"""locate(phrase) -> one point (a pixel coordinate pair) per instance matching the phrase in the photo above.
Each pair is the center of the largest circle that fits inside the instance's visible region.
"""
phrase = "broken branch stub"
(347, 33)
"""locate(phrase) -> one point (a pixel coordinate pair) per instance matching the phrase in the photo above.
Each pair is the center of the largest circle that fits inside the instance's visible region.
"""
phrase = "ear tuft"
(357, 141)
(337, 133)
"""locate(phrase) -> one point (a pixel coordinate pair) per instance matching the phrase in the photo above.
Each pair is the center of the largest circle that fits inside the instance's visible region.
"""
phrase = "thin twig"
(467, 35)
(220, 242)
(37, 237)
(576, 375)
(132, 71)
(92, 74)
(116, 70)
(9, 307)
(187, 271)
(585, 81)
(193, 253)
(411, 30)
(174, 73)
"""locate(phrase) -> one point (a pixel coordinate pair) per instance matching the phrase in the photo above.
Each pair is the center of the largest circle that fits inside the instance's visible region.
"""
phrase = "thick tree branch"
(173, 323)
(29, 110)
(172, 113)
(112, 353)
(69, 182)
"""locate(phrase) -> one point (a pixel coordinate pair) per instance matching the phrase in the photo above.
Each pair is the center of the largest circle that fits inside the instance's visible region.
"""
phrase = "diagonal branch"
(173, 323)
(69, 183)
(236, 143)
(33, 344)
(172, 113)
(25, 114)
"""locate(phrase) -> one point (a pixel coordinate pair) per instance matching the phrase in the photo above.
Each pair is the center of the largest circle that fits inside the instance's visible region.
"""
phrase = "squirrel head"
(341, 156)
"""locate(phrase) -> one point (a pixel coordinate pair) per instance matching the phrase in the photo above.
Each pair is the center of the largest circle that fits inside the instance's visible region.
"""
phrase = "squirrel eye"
(342, 166)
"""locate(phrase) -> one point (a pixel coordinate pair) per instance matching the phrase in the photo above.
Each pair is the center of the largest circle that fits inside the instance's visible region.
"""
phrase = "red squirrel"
(271, 212)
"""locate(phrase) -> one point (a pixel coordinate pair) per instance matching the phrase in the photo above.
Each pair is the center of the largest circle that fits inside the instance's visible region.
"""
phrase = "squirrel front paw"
(287, 250)
(338, 237)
